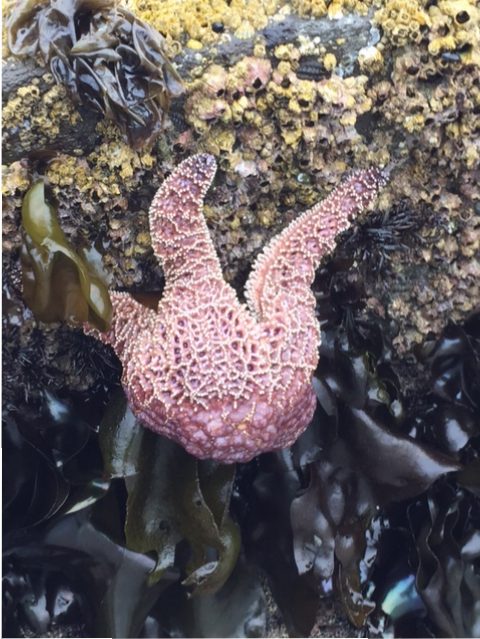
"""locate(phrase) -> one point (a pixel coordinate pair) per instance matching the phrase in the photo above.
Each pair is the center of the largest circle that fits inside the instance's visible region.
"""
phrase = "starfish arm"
(127, 318)
(286, 267)
(180, 236)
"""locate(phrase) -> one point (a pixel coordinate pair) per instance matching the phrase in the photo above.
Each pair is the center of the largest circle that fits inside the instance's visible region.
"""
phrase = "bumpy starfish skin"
(225, 380)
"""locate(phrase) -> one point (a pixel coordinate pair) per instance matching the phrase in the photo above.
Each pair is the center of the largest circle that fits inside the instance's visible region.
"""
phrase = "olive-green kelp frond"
(58, 283)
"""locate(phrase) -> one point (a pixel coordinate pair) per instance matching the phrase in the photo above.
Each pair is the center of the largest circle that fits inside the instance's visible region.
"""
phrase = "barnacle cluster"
(201, 22)
(104, 56)
(432, 101)
(275, 129)
(455, 28)
(105, 177)
(106, 172)
(331, 8)
(31, 112)
(450, 27)
(402, 21)
(447, 279)
(443, 114)
(15, 177)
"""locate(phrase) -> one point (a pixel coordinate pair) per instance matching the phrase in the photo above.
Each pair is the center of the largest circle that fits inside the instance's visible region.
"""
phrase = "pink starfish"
(226, 380)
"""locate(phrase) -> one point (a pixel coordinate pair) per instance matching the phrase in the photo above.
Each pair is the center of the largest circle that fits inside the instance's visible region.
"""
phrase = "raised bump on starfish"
(225, 380)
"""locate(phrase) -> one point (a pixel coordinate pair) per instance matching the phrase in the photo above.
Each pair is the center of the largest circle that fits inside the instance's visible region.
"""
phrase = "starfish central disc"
(226, 380)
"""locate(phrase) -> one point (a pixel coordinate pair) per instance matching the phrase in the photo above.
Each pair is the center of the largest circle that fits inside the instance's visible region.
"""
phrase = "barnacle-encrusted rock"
(449, 26)
(204, 21)
(445, 112)
(266, 123)
(226, 381)
(40, 111)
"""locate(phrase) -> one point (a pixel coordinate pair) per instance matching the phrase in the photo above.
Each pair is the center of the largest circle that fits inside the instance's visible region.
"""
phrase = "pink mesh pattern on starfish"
(226, 380)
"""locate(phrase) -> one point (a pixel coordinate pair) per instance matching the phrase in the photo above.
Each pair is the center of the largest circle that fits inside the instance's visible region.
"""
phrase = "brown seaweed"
(105, 57)
(58, 283)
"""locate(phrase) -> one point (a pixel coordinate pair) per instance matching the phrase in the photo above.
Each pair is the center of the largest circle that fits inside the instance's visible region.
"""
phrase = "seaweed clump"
(112, 581)
(430, 585)
(376, 500)
(107, 59)
(58, 284)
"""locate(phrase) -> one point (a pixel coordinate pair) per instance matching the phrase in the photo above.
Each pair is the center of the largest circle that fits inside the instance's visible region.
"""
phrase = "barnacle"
(456, 28)
(370, 59)
(402, 21)
(58, 283)
(104, 56)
